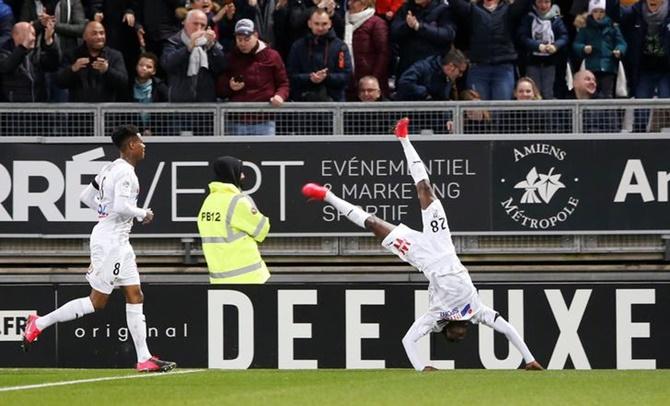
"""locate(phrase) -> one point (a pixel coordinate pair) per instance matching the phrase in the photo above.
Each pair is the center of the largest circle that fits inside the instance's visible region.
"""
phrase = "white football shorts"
(112, 266)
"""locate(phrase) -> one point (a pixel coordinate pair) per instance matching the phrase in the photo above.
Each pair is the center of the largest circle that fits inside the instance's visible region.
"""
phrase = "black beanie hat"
(227, 169)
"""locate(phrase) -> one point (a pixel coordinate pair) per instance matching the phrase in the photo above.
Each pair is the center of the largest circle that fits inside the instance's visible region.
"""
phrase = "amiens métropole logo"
(538, 198)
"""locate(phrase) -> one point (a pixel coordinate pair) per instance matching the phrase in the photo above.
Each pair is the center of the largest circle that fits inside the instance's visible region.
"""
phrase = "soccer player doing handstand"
(453, 299)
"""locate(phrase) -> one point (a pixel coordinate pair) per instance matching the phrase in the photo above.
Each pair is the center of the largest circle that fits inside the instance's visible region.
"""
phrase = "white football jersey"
(118, 188)
(451, 292)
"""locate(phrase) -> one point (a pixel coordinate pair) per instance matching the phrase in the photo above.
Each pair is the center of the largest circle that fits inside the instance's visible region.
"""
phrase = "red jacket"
(372, 52)
(263, 74)
(382, 6)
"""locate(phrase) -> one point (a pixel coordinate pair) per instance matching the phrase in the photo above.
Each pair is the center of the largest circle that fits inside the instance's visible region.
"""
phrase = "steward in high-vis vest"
(231, 227)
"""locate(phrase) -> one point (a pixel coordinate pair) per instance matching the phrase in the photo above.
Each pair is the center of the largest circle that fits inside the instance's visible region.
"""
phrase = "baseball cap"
(244, 27)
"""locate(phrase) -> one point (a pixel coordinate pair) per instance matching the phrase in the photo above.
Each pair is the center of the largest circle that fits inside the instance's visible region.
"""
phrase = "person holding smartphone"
(254, 73)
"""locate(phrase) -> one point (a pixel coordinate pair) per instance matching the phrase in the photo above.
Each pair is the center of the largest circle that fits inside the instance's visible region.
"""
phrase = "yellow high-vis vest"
(231, 227)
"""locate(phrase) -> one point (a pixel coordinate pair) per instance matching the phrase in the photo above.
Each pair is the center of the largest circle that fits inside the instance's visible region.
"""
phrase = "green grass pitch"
(336, 387)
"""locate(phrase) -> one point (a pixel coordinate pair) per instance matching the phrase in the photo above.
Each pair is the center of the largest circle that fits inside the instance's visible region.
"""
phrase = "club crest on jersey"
(102, 211)
(402, 245)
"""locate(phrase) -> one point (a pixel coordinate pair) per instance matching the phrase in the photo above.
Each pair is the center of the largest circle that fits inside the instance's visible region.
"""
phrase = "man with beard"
(94, 73)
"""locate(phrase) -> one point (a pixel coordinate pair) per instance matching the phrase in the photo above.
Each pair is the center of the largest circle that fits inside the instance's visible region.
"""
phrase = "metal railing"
(472, 117)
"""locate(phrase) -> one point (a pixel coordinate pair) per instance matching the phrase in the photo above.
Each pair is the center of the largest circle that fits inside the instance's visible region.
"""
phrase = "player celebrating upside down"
(113, 194)
(453, 300)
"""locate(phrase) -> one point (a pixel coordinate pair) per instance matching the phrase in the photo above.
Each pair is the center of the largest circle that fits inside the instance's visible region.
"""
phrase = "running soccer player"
(113, 194)
(453, 299)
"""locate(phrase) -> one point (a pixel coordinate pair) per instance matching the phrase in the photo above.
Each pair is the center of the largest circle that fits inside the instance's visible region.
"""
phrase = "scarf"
(352, 22)
(142, 91)
(198, 58)
(654, 20)
(541, 27)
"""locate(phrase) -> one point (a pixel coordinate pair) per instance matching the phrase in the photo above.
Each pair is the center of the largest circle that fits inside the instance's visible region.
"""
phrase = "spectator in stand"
(254, 73)
(526, 121)
(363, 122)
(594, 120)
(368, 39)
(118, 18)
(6, 23)
(213, 10)
(386, 9)
(369, 90)
(235, 10)
(476, 121)
(493, 25)
(193, 59)
(157, 21)
(602, 45)
(23, 63)
(584, 86)
(646, 28)
(147, 88)
(94, 72)
(421, 28)
(319, 65)
(68, 16)
(542, 36)
(432, 78)
(291, 21)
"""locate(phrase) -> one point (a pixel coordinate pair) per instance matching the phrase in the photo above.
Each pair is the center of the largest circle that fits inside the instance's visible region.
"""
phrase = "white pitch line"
(107, 378)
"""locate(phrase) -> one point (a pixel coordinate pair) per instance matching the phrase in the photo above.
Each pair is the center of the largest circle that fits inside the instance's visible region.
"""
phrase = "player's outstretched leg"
(355, 214)
(414, 162)
(71, 310)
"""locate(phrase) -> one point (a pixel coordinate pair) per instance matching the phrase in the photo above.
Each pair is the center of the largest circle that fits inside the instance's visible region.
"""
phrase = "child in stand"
(602, 45)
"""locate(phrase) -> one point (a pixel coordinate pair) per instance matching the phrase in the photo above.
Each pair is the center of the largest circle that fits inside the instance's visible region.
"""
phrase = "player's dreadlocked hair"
(122, 133)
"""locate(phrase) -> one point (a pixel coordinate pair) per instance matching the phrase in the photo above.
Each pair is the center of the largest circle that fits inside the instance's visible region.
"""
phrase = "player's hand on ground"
(534, 366)
(429, 368)
(149, 217)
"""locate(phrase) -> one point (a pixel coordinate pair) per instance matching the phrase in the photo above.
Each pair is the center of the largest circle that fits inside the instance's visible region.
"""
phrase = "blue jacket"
(434, 37)
(424, 80)
(492, 33)
(530, 44)
(6, 22)
(634, 29)
(604, 36)
(187, 89)
(310, 54)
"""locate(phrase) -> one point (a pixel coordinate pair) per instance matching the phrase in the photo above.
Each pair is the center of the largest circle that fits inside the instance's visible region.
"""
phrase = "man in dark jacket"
(158, 22)
(193, 59)
(319, 64)
(22, 64)
(422, 28)
(254, 73)
(432, 78)
(94, 73)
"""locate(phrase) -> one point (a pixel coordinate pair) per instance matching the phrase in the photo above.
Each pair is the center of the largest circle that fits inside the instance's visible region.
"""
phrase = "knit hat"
(594, 4)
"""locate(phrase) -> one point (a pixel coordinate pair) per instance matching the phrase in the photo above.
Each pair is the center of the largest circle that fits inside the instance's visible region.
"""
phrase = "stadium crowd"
(331, 50)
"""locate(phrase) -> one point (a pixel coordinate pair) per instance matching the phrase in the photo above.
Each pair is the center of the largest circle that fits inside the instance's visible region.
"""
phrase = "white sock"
(415, 164)
(354, 213)
(71, 310)
(501, 325)
(138, 330)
